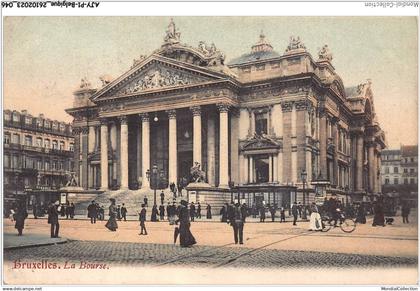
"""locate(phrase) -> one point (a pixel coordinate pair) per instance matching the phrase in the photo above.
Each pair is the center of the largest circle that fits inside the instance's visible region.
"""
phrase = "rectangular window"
(386, 170)
(411, 171)
(28, 120)
(395, 169)
(16, 118)
(260, 67)
(16, 138)
(39, 141)
(55, 145)
(405, 181)
(54, 165)
(412, 160)
(60, 165)
(15, 162)
(412, 181)
(405, 170)
(62, 145)
(28, 140)
(71, 147)
(261, 122)
(386, 181)
(395, 181)
(47, 166)
(6, 161)
(7, 116)
(6, 138)
(39, 164)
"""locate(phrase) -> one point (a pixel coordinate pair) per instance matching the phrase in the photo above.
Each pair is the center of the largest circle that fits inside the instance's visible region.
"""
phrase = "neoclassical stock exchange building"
(254, 124)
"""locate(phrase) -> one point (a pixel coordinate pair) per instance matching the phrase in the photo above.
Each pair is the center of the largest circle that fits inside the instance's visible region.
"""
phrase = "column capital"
(144, 116)
(122, 119)
(196, 110)
(322, 111)
(103, 121)
(171, 113)
(84, 130)
(223, 107)
(286, 106)
(76, 131)
(303, 105)
(334, 120)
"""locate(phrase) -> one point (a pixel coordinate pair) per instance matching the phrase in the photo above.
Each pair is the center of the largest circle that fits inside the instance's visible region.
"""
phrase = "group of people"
(95, 212)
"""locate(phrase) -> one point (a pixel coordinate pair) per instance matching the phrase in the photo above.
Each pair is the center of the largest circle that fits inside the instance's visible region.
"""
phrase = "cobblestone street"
(267, 246)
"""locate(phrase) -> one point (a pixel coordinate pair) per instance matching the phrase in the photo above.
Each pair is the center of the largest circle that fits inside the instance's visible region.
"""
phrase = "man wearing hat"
(53, 218)
(237, 221)
(92, 212)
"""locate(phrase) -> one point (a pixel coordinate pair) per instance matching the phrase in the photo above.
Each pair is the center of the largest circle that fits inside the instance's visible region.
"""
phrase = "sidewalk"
(13, 241)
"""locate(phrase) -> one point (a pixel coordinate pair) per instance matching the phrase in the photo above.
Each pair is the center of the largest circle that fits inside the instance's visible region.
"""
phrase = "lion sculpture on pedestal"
(197, 175)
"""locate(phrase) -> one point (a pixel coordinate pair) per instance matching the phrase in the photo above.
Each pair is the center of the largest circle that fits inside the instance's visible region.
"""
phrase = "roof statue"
(214, 56)
(84, 83)
(105, 79)
(138, 61)
(325, 54)
(294, 44)
(172, 34)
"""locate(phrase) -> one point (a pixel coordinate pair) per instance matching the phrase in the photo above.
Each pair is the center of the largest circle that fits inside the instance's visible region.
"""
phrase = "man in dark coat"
(68, 209)
(20, 215)
(154, 215)
(272, 210)
(208, 208)
(199, 210)
(119, 212)
(92, 212)
(62, 210)
(237, 221)
(192, 211)
(361, 215)
(124, 212)
(223, 213)
(299, 208)
(35, 210)
(186, 238)
(53, 218)
(72, 210)
(162, 197)
(295, 212)
(145, 200)
(262, 213)
(405, 211)
(162, 212)
(379, 216)
(142, 219)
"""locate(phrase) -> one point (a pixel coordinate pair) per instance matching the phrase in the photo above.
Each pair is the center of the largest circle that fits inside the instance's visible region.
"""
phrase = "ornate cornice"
(303, 105)
(103, 121)
(196, 110)
(171, 113)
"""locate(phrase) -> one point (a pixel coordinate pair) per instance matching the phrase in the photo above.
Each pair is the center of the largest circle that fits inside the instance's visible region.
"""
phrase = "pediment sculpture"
(260, 141)
(159, 77)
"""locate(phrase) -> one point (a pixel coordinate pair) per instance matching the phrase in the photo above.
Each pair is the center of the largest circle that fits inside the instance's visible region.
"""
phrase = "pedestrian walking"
(119, 212)
(124, 212)
(282, 215)
(72, 208)
(92, 212)
(101, 213)
(145, 201)
(379, 216)
(405, 211)
(35, 210)
(162, 212)
(262, 213)
(112, 222)
(299, 208)
(20, 215)
(208, 214)
(295, 212)
(361, 214)
(254, 211)
(53, 211)
(272, 212)
(154, 215)
(142, 219)
(68, 210)
(315, 222)
(237, 221)
(62, 210)
(223, 213)
(199, 210)
(186, 239)
(162, 197)
(192, 211)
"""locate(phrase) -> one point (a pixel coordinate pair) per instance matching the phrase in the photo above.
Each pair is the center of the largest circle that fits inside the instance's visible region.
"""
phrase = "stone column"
(371, 163)
(275, 167)
(378, 169)
(92, 138)
(250, 169)
(173, 158)
(224, 146)
(359, 162)
(211, 151)
(196, 111)
(270, 168)
(113, 138)
(145, 149)
(104, 155)
(322, 143)
(335, 137)
(124, 152)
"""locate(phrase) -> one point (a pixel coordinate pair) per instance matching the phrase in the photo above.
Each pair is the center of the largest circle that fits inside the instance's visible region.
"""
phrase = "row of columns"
(173, 162)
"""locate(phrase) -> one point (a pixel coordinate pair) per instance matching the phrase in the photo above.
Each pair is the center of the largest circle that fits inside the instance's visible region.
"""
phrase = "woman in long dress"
(208, 208)
(20, 216)
(186, 238)
(112, 222)
(315, 220)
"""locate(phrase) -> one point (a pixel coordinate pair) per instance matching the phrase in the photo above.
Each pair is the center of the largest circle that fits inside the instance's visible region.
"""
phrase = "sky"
(44, 58)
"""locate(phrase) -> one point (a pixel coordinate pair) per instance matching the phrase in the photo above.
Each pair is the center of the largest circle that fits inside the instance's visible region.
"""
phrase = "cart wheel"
(348, 225)
(326, 225)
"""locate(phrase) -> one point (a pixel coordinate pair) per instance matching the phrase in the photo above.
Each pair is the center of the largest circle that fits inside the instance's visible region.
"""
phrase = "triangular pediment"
(157, 73)
(259, 142)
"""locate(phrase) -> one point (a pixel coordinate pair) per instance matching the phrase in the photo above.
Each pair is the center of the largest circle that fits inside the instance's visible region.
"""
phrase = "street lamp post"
(154, 178)
(303, 175)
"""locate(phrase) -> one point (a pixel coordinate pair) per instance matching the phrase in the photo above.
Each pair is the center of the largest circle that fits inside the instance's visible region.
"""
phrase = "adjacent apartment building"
(38, 157)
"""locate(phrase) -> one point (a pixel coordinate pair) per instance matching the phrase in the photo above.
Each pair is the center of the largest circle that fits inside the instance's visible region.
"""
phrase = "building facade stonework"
(260, 119)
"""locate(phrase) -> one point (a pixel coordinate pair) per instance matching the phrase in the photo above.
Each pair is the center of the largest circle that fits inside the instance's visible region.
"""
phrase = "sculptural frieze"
(158, 78)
